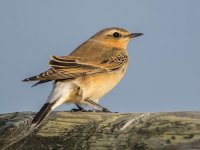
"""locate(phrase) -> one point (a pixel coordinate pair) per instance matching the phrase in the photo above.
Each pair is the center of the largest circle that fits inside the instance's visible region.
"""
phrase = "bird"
(88, 73)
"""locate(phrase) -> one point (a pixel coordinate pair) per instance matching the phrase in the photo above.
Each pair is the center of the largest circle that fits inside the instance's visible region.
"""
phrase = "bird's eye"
(116, 35)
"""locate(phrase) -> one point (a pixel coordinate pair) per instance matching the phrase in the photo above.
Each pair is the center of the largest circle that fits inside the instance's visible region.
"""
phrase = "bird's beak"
(133, 35)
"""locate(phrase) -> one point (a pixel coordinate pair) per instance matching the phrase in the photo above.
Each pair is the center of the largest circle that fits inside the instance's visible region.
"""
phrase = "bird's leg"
(80, 109)
(97, 105)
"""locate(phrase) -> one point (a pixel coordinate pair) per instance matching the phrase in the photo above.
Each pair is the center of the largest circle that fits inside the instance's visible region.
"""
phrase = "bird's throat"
(122, 44)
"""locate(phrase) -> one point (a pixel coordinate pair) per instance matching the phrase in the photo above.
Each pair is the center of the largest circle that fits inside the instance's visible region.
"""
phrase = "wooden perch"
(102, 131)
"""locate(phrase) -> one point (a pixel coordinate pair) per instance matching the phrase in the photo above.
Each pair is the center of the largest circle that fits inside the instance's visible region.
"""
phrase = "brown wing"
(69, 67)
(117, 61)
(66, 67)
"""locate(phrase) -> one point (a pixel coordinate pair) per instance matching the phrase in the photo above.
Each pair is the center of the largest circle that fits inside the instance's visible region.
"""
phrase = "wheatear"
(88, 73)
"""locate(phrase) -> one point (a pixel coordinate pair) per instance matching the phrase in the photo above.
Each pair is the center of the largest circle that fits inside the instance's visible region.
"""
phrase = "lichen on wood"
(102, 131)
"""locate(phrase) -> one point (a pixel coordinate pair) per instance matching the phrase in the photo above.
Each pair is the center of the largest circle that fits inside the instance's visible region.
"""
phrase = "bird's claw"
(77, 110)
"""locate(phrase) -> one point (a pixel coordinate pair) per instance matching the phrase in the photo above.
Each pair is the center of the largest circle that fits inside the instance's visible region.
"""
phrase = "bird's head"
(115, 37)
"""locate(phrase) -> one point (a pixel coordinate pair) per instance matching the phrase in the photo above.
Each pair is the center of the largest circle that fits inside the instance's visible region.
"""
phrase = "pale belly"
(97, 85)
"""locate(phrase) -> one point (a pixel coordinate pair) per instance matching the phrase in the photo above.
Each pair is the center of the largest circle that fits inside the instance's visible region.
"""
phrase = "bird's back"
(92, 50)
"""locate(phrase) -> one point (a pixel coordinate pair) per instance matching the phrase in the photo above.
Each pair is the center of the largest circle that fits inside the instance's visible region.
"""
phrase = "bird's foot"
(77, 110)
(81, 110)
(89, 111)
(103, 110)
(106, 110)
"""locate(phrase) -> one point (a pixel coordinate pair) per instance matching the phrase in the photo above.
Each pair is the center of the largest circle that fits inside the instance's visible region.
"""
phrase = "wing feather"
(69, 67)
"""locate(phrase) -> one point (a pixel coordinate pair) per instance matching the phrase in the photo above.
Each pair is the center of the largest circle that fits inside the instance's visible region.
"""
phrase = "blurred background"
(163, 72)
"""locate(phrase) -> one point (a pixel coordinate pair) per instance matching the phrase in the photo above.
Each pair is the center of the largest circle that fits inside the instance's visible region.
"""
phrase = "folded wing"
(69, 67)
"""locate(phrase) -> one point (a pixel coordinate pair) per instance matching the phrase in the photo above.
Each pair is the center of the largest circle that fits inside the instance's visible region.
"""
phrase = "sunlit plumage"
(88, 73)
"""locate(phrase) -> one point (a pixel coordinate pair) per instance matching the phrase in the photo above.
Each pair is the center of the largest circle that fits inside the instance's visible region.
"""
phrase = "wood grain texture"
(102, 131)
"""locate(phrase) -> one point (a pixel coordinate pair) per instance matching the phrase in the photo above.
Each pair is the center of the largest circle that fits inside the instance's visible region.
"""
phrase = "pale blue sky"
(163, 72)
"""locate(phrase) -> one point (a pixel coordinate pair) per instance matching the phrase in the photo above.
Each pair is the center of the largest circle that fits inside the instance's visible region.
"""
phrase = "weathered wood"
(102, 131)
